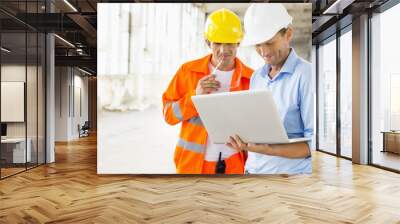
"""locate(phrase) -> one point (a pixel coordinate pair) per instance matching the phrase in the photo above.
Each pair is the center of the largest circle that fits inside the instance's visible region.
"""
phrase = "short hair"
(283, 31)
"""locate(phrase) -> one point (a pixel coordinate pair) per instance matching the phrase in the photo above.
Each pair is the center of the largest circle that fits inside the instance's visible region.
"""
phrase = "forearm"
(177, 102)
(178, 110)
(293, 150)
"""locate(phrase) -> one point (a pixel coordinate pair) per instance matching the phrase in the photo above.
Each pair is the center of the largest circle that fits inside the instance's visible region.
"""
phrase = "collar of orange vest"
(201, 65)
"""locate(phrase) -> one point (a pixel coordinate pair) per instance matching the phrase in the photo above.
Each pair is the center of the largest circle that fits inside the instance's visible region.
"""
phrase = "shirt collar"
(287, 68)
(211, 68)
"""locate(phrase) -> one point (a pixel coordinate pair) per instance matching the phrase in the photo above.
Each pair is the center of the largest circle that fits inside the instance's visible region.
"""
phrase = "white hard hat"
(262, 21)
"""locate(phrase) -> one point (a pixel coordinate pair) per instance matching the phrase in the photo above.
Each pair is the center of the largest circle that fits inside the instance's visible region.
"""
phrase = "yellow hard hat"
(223, 26)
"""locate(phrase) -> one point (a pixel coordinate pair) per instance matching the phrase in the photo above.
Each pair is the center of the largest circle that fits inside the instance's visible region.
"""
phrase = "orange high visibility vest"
(178, 108)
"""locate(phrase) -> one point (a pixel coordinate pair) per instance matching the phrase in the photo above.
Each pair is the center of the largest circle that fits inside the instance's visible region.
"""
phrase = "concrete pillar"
(360, 90)
(50, 92)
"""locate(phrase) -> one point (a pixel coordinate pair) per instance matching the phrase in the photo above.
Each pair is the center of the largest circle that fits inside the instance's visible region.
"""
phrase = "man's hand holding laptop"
(291, 150)
(238, 144)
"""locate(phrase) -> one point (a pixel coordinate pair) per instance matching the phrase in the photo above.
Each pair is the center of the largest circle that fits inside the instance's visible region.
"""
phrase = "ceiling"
(76, 22)
(238, 8)
(331, 15)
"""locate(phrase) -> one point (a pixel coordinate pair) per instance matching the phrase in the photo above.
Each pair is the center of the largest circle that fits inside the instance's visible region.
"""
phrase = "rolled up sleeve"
(306, 91)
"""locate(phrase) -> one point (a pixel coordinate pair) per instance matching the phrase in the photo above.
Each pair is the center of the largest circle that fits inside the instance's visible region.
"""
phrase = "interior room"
(81, 87)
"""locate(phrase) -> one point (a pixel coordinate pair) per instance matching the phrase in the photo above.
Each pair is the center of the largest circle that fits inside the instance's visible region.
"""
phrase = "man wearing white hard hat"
(289, 77)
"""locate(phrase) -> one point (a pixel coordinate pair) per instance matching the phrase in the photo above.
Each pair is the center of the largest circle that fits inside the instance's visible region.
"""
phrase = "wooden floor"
(70, 191)
(10, 171)
(387, 159)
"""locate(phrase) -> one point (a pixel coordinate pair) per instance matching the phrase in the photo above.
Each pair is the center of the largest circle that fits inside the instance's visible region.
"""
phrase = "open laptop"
(251, 114)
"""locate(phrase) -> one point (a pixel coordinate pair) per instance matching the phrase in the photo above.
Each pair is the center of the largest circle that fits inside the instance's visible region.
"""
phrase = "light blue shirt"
(293, 91)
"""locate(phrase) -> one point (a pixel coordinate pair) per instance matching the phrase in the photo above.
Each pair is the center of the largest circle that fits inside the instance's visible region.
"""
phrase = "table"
(13, 150)
(391, 141)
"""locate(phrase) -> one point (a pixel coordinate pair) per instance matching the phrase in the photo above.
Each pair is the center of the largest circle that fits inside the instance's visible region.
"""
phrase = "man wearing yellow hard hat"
(219, 71)
(289, 78)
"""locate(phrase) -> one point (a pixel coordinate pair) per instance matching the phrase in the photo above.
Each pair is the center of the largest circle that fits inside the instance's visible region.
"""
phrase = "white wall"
(12, 73)
(69, 82)
(33, 126)
(80, 103)
(61, 103)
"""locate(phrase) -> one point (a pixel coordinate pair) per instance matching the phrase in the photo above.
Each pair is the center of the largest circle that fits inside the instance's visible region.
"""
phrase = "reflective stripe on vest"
(196, 121)
(167, 104)
(177, 110)
(191, 146)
